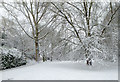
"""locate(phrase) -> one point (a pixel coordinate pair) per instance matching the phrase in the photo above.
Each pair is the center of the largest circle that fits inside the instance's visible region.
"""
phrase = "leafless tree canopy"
(62, 30)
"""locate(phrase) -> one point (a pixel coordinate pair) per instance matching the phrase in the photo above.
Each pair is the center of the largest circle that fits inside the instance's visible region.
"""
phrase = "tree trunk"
(88, 57)
(36, 49)
(51, 58)
(36, 41)
(44, 57)
(89, 61)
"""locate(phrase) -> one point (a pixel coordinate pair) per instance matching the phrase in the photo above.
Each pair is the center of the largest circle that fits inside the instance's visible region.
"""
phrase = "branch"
(48, 22)
(113, 16)
(48, 32)
(111, 7)
(17, 21)
(70, 41)
(23, 12)
(44, 11)
(76, 8)
(68, 22)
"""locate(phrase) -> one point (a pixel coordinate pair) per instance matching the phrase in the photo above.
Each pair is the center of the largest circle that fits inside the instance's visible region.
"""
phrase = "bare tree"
(34, 13)
(89, 17)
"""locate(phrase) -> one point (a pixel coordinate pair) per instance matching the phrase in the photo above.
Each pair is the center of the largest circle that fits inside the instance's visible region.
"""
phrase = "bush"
(11, 58)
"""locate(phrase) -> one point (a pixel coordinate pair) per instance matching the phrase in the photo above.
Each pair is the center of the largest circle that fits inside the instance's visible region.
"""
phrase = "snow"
(66, 70)
(0, 76)
(12, 51)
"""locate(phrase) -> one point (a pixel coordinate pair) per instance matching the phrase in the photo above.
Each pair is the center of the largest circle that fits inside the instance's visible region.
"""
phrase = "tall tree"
(85, 19)
(34, 13)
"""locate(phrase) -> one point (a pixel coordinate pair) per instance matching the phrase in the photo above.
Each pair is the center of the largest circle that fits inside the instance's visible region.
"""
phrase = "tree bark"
(36, 49)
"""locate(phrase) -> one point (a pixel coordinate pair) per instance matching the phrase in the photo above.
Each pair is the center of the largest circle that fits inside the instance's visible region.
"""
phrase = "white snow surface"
(65, 70)
(0, 76)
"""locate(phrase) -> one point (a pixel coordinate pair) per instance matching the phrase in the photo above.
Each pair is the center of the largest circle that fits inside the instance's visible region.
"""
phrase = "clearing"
(64, 70)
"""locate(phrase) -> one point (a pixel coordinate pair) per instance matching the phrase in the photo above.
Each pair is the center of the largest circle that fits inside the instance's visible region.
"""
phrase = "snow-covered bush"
(11, 58)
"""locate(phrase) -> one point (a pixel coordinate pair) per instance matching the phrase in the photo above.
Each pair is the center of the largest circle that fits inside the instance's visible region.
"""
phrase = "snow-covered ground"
(62, 71)
(0, 76)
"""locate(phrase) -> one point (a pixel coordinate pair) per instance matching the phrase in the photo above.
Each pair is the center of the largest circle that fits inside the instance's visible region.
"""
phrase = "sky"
(63, 0)
(4, 12)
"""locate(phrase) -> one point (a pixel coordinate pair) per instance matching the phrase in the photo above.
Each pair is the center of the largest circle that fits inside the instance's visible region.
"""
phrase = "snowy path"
(61, 71)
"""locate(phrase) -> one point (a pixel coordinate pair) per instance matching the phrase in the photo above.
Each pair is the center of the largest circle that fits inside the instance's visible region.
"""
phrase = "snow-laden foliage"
(74, 31)
(11, 57)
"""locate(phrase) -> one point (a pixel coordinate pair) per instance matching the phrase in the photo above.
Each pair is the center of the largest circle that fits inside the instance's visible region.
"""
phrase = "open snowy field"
(62, 71)
(0, 76)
